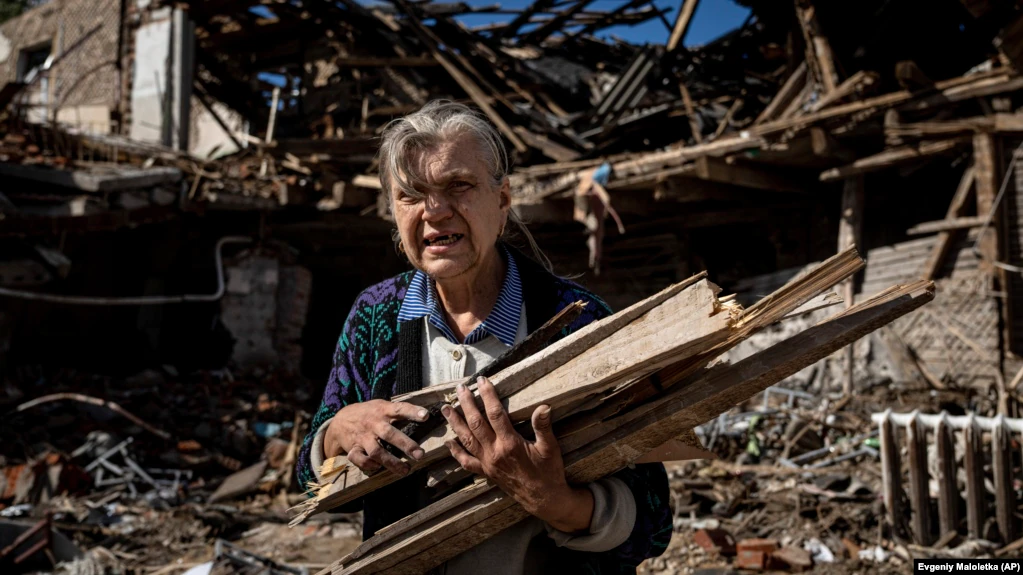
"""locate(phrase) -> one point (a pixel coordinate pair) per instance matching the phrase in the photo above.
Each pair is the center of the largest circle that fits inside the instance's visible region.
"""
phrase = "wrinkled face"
(454, 228)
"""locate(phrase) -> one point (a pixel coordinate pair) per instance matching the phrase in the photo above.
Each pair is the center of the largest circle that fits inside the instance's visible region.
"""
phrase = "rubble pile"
(156, 471)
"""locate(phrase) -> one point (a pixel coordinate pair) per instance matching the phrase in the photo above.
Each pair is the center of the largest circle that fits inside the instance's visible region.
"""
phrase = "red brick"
(751, 559)
(763, 545)
(793, 558)
(717, 540)
(754, 553)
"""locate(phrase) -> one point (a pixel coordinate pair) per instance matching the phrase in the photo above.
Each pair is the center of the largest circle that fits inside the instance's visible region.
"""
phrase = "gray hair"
(439, 121)
(436, 122)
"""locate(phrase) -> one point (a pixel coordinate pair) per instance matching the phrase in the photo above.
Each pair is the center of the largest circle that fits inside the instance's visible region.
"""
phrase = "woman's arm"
(338, 393)
(652, 531)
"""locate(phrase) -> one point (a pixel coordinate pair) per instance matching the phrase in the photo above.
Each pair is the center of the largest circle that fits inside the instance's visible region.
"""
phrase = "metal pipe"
(139, 300)
(953, 421)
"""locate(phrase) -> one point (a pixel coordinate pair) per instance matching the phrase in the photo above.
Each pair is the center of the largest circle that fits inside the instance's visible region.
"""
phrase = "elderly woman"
(470, 298)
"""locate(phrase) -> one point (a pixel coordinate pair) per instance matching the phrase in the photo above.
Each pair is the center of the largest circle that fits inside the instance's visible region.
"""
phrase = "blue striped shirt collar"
(503, 322)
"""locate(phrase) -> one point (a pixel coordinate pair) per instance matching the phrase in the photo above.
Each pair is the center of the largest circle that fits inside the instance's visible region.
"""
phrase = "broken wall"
(82, 89)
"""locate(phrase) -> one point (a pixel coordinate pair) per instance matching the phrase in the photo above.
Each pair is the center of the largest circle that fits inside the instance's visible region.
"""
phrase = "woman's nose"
(436, 206)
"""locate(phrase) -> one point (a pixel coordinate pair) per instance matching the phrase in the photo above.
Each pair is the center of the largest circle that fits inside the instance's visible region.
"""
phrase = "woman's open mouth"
(446, 240)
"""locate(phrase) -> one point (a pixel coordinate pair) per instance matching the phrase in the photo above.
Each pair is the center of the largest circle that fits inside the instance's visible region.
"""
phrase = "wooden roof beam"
(891, 158)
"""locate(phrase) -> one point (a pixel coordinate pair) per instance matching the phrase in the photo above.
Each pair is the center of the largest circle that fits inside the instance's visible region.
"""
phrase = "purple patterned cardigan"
(376, 358)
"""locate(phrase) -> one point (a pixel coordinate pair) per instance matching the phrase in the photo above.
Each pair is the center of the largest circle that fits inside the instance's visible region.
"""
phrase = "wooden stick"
(786, 94)
(93, 401)
(944, 242)
(685, 16)
(892, 157)
(818, 49)
(855, 83)
(946, 225)
(949, 91)
(687, 101)
(997, 123)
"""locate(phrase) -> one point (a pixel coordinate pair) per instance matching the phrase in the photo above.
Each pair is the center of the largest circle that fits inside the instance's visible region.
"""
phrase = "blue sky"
(712, 18)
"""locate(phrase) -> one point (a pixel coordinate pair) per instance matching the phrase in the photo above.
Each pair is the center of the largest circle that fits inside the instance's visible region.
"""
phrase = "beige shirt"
(522, 547)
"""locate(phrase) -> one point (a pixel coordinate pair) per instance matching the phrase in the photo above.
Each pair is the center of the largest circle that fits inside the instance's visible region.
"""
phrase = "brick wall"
(86, 82)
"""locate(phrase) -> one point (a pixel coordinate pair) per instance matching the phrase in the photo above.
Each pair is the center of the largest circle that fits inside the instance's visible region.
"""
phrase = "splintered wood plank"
(1005, 495)
(703, 397)
(771, 309)
(537, 365)
(974, 464)
(891, 475)
(682, 320)
(948, 490)
(709, 394)
(916, 440)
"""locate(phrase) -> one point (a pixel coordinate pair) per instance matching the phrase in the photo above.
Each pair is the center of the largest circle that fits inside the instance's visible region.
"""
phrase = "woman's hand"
(532, 472)
(356, 430)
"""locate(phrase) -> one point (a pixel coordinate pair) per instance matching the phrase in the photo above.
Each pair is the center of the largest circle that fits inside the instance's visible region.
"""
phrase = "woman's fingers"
(546, 442)
(357, 457)
(464, 458)
(388, 433)
(496, 414)
(407, 411)
(458, 425)
(377, 453)
(477, 424)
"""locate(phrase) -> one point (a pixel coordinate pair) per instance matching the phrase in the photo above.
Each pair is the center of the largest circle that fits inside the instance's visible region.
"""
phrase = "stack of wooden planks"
(619, 389)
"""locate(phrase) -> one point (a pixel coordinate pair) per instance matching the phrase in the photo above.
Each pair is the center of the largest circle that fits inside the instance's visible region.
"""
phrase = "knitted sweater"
(377, 357)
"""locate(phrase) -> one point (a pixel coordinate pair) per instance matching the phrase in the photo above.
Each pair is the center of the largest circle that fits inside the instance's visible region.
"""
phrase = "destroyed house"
(155, 129)
(190, 203)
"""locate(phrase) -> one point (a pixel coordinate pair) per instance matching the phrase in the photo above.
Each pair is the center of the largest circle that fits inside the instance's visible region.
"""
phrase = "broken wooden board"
(686, 320)
(771, 309)
(439, 532)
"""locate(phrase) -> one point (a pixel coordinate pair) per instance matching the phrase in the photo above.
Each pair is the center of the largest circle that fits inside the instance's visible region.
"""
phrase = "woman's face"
(451, 231)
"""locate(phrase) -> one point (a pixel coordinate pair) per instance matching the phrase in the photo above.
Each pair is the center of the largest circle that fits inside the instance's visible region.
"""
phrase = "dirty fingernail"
(461, 387)
(446, 411)
(422, 414)
(418, 453)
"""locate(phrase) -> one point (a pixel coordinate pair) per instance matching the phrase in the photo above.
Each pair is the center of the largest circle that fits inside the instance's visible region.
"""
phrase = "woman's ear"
(505, 193)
